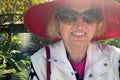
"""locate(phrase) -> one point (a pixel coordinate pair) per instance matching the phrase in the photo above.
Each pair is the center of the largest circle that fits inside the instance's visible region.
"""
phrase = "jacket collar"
(59, 57)
(94, 52)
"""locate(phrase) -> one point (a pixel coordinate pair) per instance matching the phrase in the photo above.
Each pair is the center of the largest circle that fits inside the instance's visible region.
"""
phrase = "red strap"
(48, 63)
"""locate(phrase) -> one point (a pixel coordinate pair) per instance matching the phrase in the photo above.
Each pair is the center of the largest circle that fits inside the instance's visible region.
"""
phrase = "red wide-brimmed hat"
(37, 17)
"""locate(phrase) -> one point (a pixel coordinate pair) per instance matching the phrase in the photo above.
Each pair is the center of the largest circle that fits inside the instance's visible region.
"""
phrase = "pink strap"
(48, 63)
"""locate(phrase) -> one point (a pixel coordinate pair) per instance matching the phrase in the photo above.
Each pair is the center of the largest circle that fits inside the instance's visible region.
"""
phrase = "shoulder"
(109, 50)
(38, 60)
(41, 53)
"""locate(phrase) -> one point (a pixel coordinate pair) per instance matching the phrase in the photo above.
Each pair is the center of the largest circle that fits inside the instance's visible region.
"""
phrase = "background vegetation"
(14, 61)
(14, 57)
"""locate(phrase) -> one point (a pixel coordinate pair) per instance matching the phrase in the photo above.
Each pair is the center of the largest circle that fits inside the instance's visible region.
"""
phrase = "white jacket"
(101, 64)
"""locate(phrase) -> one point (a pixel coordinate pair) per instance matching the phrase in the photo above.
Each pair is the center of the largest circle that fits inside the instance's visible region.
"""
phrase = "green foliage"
(114, 42)
(11, 61)
(9, 50)
(6, 58)
(20, 76)
(17, 6)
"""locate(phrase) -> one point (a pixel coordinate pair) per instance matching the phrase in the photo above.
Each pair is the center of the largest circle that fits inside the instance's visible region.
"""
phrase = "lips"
(78, 35)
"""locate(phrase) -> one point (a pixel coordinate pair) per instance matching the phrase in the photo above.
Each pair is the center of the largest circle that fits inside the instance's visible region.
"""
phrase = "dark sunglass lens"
(91, 16)
(67, 15)
(88, 19)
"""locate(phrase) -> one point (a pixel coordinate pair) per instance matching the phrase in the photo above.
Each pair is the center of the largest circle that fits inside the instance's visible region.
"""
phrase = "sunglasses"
(69, 15)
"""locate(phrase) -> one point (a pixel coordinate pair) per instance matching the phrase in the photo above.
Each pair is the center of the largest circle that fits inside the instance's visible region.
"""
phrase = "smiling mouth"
(78, 34)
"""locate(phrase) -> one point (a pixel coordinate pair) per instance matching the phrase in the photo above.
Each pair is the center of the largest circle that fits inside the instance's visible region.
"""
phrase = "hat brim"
(37, 17)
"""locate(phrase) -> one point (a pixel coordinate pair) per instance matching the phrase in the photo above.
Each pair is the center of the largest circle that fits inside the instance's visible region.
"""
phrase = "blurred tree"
(11, 61)
(17, 6)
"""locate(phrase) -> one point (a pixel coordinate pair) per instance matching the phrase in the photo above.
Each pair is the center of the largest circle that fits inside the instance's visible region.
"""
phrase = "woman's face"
(80, 31)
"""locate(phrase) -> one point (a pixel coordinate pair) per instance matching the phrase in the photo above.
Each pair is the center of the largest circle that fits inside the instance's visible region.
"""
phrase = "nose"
(80, 24)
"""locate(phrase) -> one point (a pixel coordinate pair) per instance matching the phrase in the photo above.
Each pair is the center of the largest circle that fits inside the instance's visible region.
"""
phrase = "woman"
(76, 55)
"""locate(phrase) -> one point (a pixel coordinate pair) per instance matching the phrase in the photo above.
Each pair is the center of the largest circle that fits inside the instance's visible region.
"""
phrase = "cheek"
(92, 29)
(63, 30)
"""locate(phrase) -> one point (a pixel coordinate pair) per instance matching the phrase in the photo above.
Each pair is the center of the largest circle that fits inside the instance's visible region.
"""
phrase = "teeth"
(79, 34)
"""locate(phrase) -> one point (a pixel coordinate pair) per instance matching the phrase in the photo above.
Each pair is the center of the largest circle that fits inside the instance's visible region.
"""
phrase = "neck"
(76, 54)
